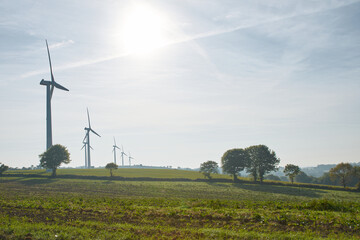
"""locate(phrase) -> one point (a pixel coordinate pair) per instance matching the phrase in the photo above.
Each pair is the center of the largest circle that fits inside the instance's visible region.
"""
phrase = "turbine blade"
(87, 133)
(88, 117)
(51, 72)
(52, 90)
(117, 147)
(95, 132)
(59, 86)
(114, 142)
(82, 147)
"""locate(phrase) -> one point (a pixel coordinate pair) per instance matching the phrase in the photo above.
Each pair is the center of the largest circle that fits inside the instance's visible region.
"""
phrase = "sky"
(180, 82)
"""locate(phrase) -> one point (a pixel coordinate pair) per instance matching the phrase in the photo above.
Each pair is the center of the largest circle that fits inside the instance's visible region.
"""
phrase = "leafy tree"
(209, 167)
(272, 177)
(54, 157)
(303, 178)
(326, 180)
(356, 174)
(343, 172)
(262, 161)
(234, 161)
(291, 171)
(111, 167)
(284, 179)
(3, 168)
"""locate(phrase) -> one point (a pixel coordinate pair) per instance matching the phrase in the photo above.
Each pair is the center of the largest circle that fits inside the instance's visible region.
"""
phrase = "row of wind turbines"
(50, 85)
(86, 146)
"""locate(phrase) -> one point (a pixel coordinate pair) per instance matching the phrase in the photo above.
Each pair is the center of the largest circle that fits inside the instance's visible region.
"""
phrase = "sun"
(143, 30)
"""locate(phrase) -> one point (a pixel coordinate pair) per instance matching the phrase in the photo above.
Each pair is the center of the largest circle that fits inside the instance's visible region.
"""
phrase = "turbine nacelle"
(115, 146)
(90, 130)
(130, 157)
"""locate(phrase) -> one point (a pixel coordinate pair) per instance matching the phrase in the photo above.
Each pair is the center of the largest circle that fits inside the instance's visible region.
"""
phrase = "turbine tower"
(130, 157)
(87, 138)
(49, 92)
(114, 150)
(122, 155)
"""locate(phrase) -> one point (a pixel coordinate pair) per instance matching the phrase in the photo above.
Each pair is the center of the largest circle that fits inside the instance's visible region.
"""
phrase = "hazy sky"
(180, 82)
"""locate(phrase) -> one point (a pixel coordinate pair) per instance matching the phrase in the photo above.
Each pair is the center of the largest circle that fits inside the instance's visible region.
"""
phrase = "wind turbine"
(130, 157)
(87, 138)
(122, 155)
(114, 150)
(49, 93)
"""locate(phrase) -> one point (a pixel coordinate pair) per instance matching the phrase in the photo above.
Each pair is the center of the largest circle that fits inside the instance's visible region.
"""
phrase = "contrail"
(183, 39)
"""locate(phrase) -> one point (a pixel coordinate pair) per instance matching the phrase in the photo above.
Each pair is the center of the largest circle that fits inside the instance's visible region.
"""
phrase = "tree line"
(343, 174)
(256, 160)
(259, 160)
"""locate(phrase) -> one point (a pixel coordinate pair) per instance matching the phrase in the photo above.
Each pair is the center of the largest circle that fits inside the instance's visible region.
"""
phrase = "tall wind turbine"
(130, 157)
(122, 155)
(114, 150)
(49, 93)
(87, 138)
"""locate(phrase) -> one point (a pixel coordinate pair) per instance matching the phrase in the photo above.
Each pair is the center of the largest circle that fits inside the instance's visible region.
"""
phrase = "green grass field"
(125, 172)
(47, 208)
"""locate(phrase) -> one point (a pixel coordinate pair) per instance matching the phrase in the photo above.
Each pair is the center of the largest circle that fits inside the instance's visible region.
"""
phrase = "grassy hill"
(62, 208)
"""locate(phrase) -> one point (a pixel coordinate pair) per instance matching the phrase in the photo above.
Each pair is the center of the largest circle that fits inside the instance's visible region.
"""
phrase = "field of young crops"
(46, 208)
(124, 172)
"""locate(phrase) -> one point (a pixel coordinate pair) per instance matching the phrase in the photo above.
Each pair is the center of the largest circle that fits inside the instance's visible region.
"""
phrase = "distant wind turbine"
(122, 155)
(130, 157)
(114, 150)
(87, 138)
(49, 93)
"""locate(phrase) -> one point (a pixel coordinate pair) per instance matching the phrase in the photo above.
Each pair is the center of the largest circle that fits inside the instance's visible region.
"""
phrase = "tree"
(303, 178)
(356, 173)
(272, 177)
(291, 171)
(209, 167)
(234, 161)
(111, 166)
(54, 157)
(343, 172)
(326, 180)
(262, 161)
(3, 168)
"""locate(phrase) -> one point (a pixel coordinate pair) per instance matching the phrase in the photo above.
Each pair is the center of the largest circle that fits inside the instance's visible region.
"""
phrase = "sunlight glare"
(144, 30)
